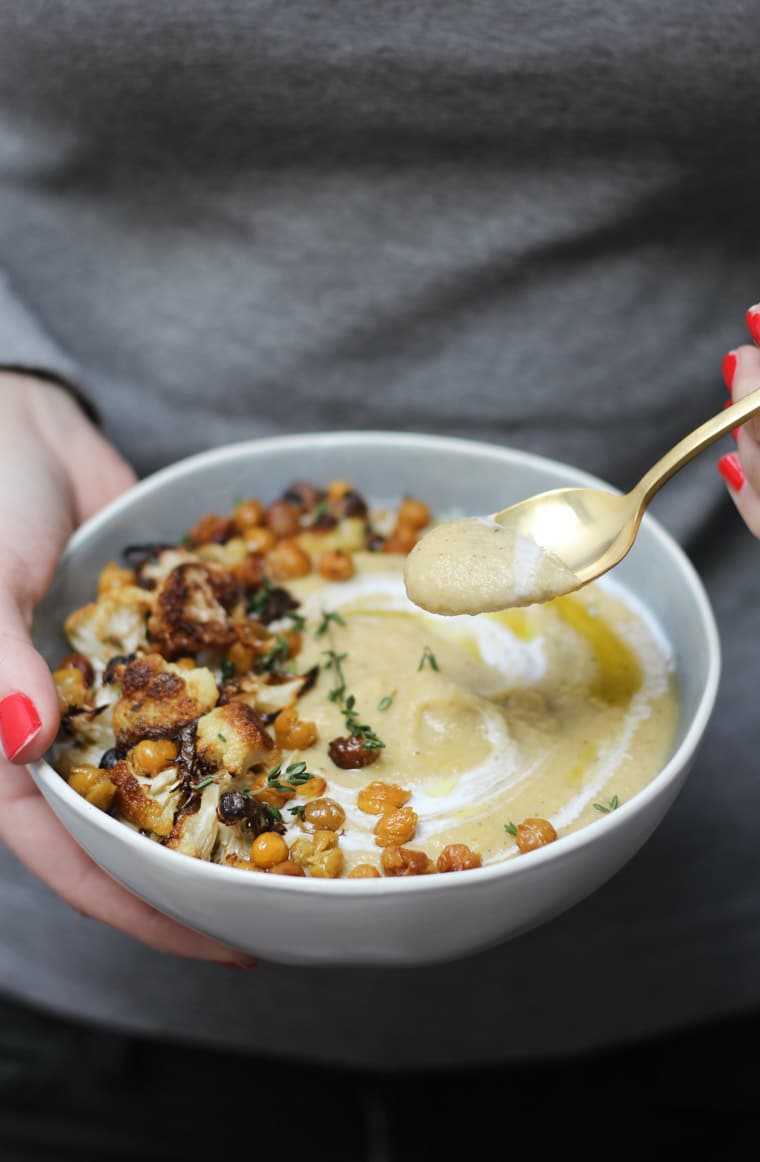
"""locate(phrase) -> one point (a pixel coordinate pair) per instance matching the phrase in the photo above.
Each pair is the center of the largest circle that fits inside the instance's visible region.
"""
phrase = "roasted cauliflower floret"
(114, 624)
(233, 738)
(159, 698)
(192, 609)
(147, 804)
(260, 693)
(195, 832)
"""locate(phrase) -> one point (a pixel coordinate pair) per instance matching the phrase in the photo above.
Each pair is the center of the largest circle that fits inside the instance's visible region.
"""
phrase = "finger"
(741, 370)
(36, 517)
(39, 839)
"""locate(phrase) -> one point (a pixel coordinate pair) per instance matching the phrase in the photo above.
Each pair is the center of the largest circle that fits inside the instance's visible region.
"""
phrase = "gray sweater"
(527, 221)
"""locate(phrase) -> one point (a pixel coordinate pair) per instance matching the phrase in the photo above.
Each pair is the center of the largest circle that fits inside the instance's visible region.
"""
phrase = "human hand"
(56, 469)
(741, 469)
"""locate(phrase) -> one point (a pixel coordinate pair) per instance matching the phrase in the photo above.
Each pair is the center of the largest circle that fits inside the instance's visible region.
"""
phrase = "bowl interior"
(453, 476)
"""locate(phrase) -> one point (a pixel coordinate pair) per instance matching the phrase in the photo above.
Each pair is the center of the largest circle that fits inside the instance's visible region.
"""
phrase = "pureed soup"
(264, 694)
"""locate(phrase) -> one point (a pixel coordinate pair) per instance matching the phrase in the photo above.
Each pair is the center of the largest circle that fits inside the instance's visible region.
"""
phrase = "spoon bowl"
(589, 530)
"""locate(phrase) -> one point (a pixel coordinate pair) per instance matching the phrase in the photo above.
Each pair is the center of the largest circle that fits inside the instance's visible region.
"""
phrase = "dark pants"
(69, 1093)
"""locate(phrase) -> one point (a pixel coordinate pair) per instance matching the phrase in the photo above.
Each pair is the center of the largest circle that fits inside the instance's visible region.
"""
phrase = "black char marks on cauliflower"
(158, 699)
(192, 609)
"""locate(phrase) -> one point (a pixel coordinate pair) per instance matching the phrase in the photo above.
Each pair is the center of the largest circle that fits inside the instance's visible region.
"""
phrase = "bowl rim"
(49, 780)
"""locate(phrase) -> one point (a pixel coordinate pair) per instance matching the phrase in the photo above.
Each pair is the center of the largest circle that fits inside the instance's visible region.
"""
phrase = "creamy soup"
(474, 565)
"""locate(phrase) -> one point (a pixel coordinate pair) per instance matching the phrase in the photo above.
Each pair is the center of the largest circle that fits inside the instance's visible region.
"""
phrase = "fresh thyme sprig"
(610, 805)
(511, 828)
(329, 617)
(295, 775)
(346, 703)
(275, 657)
(429, 658)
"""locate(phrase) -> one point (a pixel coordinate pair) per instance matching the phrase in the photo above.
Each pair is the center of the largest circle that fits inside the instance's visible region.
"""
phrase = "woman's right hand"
(56, 469)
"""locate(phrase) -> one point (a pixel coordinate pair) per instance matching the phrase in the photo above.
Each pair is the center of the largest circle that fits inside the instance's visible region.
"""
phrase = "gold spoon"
(590, 530)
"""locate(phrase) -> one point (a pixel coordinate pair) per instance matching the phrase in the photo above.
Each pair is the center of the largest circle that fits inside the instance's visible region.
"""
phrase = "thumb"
(36, 518)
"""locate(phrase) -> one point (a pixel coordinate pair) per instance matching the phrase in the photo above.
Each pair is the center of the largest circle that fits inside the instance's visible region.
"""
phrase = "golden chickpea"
(249, 571)
(405, 861)
(212, 528)
(378, 797)
(274, 797)
(457, 857)
(112, 576)
(248, 514)
(186, 663)
(288, 867)
(269, 849)
(84, 777)
(102, 795)
(292, 732)
(260, 540)
(338, 488)
(336, 565)
(241, 657)
(533, 833)
(414, 513)
(79, 662)
(396, 827)
(283, 518)
(363, 871)
(71, 687)
(402, 539)
(152, 755)
(327, 865)
(324, 814)
(287, 560)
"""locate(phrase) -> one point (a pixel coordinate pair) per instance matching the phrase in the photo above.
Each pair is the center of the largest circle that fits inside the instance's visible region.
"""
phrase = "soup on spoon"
(476, 565)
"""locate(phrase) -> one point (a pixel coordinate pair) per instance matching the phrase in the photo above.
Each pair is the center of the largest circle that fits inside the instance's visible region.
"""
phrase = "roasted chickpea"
(102, 795)
(186, 663)
(414, 513)
(283, 518)
(93, 784)
(260, 540)
(241, 657)
(71, 687)
(377, 797)
(405, 861)
(324, 814)
(287, 560)
(338, 488)
(457, 857)
(79, 662)
(288, 867)
(250, 571)
(363, 871)
(292, 732)
(336, 565)
(396, 827)
(402, 539)
(327, 865)
(314, 788)
(212, 528)
(152, 755)
(533, 833)
(248, 514)
(269, 849)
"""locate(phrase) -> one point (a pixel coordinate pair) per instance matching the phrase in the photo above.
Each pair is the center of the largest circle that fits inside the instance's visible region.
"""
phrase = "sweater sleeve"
(27, 348)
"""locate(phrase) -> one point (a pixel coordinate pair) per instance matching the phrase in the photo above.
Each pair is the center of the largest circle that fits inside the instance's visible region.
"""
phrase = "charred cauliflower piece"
(159, 698)
(192, 609)
(195, 831)
(261, 694)
(232, 738)
(114, 624)
(147, 804)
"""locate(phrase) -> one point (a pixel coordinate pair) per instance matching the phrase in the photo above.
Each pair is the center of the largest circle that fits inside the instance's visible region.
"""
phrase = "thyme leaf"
(511, 828)
(428, 657)
(329, 617)
(610, 805)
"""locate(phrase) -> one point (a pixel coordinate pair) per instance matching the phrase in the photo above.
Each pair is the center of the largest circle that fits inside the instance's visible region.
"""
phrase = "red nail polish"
(19, 722)
(731, 470)
(753, 322)
(728, 367)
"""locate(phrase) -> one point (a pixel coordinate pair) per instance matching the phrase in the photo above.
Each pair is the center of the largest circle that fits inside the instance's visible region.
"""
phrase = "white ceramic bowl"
(409, 920)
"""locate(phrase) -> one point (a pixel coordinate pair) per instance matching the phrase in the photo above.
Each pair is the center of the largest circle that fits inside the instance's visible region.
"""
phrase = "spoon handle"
(691, 445)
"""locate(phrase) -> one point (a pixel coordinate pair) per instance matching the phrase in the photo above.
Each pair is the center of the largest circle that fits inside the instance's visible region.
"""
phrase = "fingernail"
(728, 367)
(731, 470)
(19, 722)
(753, 322)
